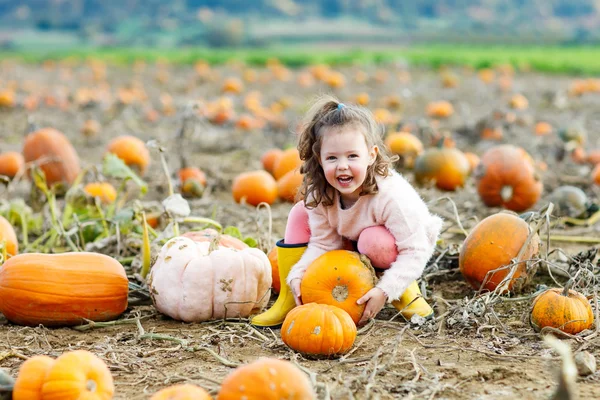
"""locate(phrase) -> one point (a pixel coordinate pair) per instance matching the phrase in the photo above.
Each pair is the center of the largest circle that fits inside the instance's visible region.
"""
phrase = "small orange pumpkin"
(440, 109)
(266, 379)
(492, 244)
(103, 190)
(90, 128)
(518, 102)
(30, 379)
(596, 175)
(8, 235)
(62, 289)
(563, 309)
(269, 159)
(338, 278)
(288, 161)
(318, 330)
(272, 255)
(542, 128)
(289, 185)
(448, 168)
(52, 144)
(254, 187)
(506, 177)
(406, 145)
(76, 375)
(473, 160)
(193, 181)
(132, 151)
(11, 162)
(184, 391)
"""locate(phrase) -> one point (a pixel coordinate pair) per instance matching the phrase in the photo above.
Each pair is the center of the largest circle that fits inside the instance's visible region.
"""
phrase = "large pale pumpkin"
(198, 281)
(62, 289)
(318, 330)
(491, 245)
(266, 379)
(52, 145)
(30, 379)
(78, 375)
(338, 278)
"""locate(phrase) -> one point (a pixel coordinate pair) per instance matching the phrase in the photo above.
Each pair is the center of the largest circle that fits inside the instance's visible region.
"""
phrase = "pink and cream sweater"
(400, 209)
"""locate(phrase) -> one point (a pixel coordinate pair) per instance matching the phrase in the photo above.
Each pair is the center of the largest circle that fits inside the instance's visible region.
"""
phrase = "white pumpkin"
(199, 281)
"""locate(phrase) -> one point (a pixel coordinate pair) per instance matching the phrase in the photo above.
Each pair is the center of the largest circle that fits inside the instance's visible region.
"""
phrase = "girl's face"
(345, 157)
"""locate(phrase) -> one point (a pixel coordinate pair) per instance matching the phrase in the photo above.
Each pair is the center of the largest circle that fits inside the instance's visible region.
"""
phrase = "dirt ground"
(465, 353)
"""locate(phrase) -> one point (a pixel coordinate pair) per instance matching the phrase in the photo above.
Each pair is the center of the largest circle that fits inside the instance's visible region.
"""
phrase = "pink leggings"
(376, 242)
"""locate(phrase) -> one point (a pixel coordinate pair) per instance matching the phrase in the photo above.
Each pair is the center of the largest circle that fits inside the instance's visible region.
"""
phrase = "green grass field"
(563, 60)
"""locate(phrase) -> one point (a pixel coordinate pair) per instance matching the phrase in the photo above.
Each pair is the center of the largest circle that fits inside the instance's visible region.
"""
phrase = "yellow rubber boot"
(287, 256)
(412, 302)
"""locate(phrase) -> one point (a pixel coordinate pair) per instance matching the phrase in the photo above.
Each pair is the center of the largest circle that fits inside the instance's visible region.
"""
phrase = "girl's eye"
(330, 158)
(353, 155)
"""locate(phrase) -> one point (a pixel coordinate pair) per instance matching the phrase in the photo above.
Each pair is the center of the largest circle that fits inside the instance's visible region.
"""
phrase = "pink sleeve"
(324, 238)
(416, 232)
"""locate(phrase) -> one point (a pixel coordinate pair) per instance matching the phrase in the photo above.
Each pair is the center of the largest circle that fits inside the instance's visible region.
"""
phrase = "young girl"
(352, 197)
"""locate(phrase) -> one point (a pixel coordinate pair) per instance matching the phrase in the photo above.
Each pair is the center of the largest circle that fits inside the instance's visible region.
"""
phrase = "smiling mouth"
(344, 180)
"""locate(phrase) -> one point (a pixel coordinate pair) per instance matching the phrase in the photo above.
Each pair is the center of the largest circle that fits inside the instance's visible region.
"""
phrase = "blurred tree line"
(243, 22)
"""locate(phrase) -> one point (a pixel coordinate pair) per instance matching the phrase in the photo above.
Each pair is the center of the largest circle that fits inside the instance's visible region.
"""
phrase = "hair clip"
(340, 106)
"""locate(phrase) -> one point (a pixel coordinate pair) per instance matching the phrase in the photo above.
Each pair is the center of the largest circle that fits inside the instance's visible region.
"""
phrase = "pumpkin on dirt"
(254, 187)
(62, 289)
(132, 151)
(288, 161)
(491, 246)
(596, 175)
(269, 159)
(184, 391)
(11, 162)
(9, 237)
(30, 379)
(447, 167)
(195, 281)
(267, 379)
(318, 330)
(338, 278)
(52, 145)
(276, 283)
(440, 109)
(192, 180)
(506, 177)
(104, 191)
(78, 374)
(406, 145)
(569, 201)
(289, 185)
(563, 309)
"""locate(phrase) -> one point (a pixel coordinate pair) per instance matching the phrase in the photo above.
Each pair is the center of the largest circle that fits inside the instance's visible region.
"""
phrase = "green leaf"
(250, 241)
(39, 179)
(114, 167)
(233, 231)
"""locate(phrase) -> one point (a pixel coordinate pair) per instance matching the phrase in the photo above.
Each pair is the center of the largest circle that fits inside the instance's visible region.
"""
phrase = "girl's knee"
(379, 245)
(297, 229)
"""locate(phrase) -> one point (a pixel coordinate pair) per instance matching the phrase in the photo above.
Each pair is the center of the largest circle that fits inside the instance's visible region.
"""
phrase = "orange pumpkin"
(272, 255)
(543, 128)
(90, 128)
(193, 181)
(132, 151)
(289, 185)
(9, 237)
(30, 379)
(76, 375)
(11, 163)
(563, 309)
(288, 161)
(440, 109)
(183, 391)
(52, 144)
(338, 278)
(506, 177)
(318, 330)
(62, 289)
(473, 160)
(267, 379)
(232, 85)
(593, 157)
(492, 244)
(596, 175)
(269, 159)
(448, 168)
(518, 102)
(406, 145)
(103, 190)
(254, 187)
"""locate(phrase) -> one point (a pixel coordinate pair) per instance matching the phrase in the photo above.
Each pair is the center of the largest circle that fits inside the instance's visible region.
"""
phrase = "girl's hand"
(295, 287)
(375, 299)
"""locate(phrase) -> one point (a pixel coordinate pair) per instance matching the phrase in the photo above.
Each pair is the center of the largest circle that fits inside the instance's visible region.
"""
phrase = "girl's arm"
(323, 238)
(416, 232)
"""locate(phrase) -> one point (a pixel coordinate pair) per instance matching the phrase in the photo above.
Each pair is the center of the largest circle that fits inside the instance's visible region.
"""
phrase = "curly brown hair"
(326, 112)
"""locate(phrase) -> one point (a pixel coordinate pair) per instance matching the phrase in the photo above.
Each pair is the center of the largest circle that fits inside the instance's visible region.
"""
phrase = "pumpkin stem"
(567, 287)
